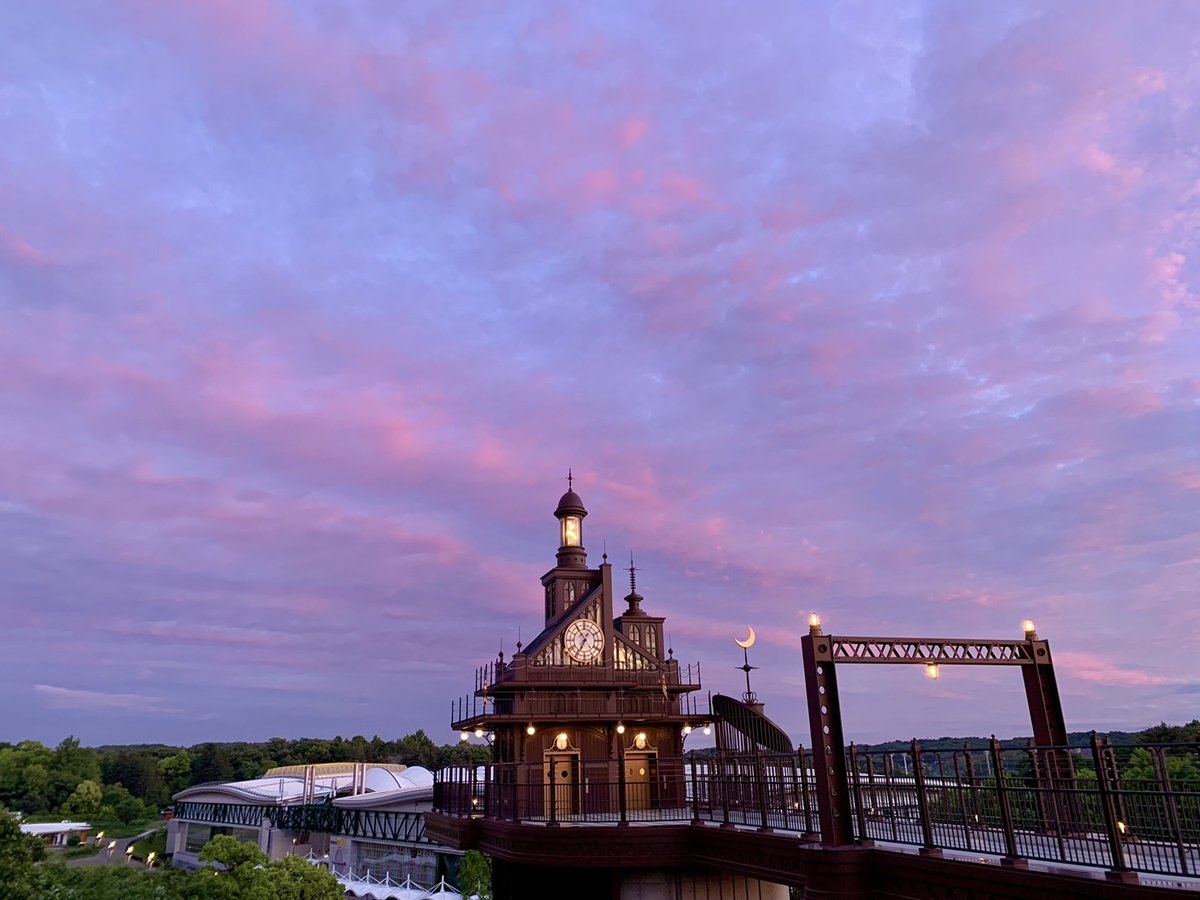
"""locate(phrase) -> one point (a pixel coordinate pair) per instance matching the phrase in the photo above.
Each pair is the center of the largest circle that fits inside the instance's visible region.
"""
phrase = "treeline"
(27, 872)
(132, 782)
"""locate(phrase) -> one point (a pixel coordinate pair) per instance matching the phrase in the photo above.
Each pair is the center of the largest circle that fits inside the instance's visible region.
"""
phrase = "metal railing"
(573, 704)
(491, 674)
(766, 792)
(1124, 809)
(1059, 804)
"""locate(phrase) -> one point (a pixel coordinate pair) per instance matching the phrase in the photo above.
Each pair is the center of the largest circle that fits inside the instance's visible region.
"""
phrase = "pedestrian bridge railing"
(1123, 809)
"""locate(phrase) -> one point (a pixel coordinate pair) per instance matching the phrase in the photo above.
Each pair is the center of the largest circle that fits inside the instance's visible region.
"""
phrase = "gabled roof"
(554, 628)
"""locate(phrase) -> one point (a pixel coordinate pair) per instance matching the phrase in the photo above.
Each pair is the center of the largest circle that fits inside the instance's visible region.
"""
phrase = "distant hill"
(1074, 739)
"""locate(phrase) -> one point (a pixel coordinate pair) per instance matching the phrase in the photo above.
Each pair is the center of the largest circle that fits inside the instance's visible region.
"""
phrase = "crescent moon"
(748, 642)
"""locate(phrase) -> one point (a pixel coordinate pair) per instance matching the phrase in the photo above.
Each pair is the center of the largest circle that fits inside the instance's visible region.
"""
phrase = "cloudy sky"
(887, 311)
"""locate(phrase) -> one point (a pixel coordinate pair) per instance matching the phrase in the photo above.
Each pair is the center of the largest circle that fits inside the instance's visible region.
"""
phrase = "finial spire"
(632, 575)
(570, 480)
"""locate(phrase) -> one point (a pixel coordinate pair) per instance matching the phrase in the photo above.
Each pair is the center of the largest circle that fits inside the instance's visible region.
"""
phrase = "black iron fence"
(1117, 808)
(1122, 809)
(767, 791)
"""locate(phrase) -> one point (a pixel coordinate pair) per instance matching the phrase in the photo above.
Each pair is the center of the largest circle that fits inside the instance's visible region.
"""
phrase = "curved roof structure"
(384, 784)
(751, 724)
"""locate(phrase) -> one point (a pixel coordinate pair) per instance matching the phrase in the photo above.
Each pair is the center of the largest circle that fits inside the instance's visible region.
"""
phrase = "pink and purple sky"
(887, 311)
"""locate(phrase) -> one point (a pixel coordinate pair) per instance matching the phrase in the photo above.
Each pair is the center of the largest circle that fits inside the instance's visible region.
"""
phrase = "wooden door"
(561, 778)
(641, 779)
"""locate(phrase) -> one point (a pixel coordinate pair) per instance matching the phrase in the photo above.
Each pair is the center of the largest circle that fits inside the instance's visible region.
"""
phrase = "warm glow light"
(931, 669)
(570, 531)
(129, 850)
(1027, 625)
(1121, 826)
(707, 729)
(620, 728)
(463, 736)
(529, 729)
(478, 732)
(814, 621)
(687, 729)
(112, 844)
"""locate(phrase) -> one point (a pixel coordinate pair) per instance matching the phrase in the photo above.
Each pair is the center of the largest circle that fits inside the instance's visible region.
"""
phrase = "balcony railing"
(566, 706)
(768, 792)
(673, 674)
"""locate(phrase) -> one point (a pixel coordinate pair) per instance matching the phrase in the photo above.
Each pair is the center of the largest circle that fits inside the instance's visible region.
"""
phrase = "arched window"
(635, 634)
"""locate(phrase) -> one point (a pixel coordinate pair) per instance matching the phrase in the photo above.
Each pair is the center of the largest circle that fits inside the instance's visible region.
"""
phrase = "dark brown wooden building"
(597, 686)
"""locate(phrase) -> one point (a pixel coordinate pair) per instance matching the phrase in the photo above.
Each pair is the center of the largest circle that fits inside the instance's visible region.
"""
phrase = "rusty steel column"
(829, 750)
(1041, 693)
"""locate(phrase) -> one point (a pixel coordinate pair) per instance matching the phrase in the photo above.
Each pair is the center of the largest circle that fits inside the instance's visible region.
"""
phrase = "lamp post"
(150, 860)
(128, 854)
(112, 845)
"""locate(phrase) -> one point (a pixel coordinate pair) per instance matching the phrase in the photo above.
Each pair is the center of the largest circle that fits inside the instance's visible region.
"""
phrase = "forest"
(132, 783)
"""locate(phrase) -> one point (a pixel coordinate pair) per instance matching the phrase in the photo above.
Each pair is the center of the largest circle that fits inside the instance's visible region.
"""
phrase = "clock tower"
(590, 696)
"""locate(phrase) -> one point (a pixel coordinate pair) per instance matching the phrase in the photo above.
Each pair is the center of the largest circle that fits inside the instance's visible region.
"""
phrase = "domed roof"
(570, 502)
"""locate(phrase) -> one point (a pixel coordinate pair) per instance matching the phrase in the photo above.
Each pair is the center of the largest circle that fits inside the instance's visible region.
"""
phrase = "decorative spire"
(570, 480)
(633, 598)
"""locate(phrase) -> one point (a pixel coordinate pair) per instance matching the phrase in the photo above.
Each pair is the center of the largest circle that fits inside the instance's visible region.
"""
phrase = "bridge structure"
(595, 798)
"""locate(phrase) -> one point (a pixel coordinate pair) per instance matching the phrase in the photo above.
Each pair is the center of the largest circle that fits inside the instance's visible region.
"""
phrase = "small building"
(355, 818)
(57, 834)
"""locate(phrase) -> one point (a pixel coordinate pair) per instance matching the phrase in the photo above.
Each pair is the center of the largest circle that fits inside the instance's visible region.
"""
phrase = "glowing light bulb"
(814, 621)
(707, 729)
(463, 736)
(478, 732)
(529, 729)
(1028, 626)
(620, 728)
(931, 670)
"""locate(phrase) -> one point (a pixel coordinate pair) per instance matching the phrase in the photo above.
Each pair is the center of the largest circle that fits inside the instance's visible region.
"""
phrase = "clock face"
(583, 640)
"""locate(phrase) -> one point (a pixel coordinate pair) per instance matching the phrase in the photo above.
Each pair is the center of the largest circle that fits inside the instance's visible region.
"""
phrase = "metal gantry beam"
(823, 653)
(944, 651)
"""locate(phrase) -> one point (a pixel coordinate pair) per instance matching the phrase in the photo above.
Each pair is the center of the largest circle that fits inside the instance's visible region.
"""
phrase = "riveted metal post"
(962, 802)
(622, 799)
(695, 792)
(724, 781)
(927, 846)
(487, 790)
(761, 778)
(805, 798)
(1164, 781)
(1011, 857)
(1120, 871)
(829, 749)
(858, 798)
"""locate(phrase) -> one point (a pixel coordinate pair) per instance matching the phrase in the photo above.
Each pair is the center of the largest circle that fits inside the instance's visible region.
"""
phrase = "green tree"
(85, 801)
(19, 854)
(210, 762)
(176, 771)
(475, 875)
(121, 805)
(255, 878)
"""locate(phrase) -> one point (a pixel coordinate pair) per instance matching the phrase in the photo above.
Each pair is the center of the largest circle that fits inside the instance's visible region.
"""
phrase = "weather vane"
(749, 696)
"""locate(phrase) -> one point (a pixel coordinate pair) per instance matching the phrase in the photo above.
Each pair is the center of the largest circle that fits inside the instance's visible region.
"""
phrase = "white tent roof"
(41, 828)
